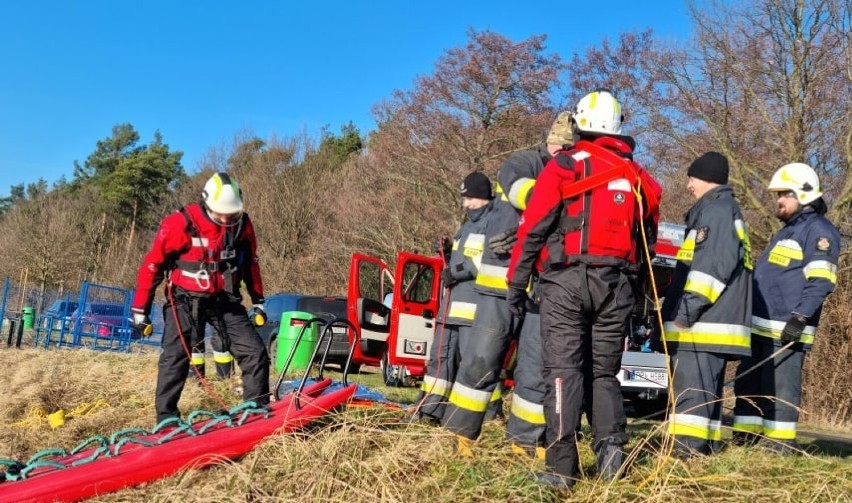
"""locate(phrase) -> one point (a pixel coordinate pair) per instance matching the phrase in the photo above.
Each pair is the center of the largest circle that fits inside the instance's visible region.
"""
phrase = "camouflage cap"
(561, 132)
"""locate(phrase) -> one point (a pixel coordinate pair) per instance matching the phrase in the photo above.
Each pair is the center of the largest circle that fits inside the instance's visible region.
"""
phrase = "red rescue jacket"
(584, 210)
(201, 257)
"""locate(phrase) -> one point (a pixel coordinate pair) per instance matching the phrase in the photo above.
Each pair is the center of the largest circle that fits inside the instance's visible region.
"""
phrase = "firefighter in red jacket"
(581, 226)
(204, 251)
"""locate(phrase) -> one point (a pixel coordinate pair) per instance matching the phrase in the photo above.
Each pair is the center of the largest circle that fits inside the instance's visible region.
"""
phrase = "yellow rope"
(36, 415)
(668, 446)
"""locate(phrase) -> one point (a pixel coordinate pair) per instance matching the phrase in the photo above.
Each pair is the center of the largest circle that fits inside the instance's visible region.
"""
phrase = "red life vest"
(602, 212)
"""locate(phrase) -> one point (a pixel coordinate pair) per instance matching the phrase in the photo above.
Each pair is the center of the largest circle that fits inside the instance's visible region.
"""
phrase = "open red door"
(413, 317)
(369, 282)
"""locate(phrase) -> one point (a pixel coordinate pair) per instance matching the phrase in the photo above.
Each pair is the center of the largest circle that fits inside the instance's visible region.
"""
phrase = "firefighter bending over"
(204, 251)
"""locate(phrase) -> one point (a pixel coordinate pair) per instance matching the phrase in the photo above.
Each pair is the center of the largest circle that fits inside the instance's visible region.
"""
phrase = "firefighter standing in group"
(587, 246)
(707, 309)
(204, 251)
(792, 279)
(483, 354)
(458, 307)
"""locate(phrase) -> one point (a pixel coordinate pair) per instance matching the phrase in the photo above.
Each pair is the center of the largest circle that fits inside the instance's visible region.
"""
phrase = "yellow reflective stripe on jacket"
(710, 334)
(743, 235)
(493, 276)
(435, 386)
(527, 411)
(748, 424)
(462, 310)
(704, 284)
(470, 399)
(497, 394)
(220, 357)
(821, 269)
(690, 425)
(784, 252)
(474, 245)
(197, 359)
(772, 329)
(779, 430)
(498, 190)
(519, 191)
(687, 249)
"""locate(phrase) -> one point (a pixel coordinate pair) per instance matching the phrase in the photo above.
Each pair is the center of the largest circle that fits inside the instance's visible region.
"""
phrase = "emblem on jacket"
(701, 235)
(823, 244)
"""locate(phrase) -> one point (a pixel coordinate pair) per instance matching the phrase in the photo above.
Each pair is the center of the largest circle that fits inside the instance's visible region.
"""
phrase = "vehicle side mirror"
(428, 314)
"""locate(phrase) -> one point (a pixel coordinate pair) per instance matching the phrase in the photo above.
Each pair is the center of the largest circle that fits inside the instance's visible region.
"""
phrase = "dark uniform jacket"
(464, 263)
(795, 274)
(515, 182)
(711, 290)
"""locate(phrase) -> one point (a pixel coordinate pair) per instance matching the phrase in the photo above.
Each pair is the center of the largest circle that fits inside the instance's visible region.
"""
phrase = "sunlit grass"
(371, 454)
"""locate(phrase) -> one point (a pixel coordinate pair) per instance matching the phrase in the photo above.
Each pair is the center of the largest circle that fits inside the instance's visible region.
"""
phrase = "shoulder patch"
(823, 244)
(701, 234)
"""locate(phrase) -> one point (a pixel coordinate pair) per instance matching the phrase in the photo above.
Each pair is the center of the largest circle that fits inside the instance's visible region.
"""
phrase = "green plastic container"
(292, 323)
(28, 317)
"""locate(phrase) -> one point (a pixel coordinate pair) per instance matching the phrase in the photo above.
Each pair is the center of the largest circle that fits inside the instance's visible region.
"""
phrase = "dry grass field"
(368, 454)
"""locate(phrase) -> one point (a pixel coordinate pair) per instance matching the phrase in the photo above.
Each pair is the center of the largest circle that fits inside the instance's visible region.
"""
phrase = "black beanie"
(710, 167)
(476, 185)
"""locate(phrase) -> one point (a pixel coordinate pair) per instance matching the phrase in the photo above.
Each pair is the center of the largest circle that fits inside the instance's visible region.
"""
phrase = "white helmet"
(599, 112)
(222, 194)
(799, 178)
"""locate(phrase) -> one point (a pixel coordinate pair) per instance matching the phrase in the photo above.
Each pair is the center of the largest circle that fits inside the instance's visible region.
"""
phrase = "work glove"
(142, 324)
(502, 243)
(442, 246)
(257, 315)
(447, 278)
(793, 329)
(517, 299)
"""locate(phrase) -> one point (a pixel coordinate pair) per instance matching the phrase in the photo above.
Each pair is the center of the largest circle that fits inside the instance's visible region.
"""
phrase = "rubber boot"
(554, 480)
(610, 457)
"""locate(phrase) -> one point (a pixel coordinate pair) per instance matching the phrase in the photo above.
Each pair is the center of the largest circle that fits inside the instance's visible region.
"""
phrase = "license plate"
(649, 377)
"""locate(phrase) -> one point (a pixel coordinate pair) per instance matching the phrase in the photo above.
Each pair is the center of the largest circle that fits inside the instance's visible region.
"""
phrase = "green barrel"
(292, 323)
(28, 317)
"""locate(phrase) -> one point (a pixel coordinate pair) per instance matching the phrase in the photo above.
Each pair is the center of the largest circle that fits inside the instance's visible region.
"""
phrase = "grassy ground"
(371, 454)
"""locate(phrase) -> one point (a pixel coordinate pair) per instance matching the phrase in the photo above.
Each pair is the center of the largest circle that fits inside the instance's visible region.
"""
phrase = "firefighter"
(458, 308)
(583, 232)
(483, 353)
(707, 309)
(204, 251)
(792, 279)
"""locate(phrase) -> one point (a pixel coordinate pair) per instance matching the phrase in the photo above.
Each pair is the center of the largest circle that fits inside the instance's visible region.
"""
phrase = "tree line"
(765, 82)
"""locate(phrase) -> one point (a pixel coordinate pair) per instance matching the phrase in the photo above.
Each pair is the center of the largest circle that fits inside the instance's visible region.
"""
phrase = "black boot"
(610, 458)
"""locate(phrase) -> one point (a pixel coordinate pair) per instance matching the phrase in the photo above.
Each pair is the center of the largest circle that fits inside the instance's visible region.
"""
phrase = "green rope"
(15, 470)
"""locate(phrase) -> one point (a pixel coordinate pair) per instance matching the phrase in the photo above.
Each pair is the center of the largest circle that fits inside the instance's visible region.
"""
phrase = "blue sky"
(202, 71)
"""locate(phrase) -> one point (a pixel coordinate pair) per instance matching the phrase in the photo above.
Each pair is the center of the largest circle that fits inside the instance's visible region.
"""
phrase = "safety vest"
(601, 209)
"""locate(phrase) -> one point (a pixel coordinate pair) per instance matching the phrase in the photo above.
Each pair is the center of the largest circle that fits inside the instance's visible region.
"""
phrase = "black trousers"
(584, 320)
(183, 323)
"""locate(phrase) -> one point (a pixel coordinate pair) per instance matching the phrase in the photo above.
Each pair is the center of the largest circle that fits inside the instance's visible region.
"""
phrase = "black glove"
(442, 246)
(142, 323)
(503, 243)
(447, 278)
(257, 315)
(793, 328)
(517, 299)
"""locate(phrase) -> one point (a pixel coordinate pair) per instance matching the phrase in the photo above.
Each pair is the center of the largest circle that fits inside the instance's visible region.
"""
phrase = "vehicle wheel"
(393, 375)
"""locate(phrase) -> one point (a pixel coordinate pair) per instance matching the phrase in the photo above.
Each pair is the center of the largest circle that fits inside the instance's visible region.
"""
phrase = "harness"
(226, 262)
